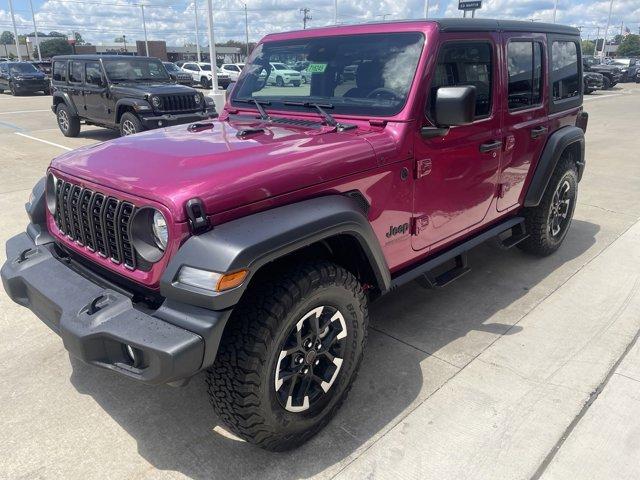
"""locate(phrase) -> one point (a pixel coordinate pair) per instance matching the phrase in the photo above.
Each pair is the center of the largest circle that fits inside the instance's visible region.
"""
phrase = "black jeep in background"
(130, 94)
(612, 74)
(22, 77)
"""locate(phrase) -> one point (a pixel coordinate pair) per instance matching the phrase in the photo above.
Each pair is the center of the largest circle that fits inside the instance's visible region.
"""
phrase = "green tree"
(57, 34)
(55, 46)
(588, 47)
(6, 37)
(630, 46)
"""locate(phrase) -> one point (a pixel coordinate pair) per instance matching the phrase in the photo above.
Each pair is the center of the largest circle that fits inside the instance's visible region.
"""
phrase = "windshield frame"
(132, 60)
(339, 109)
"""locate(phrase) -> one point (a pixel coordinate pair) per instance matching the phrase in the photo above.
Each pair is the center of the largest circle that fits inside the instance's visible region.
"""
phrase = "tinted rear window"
(524, 60)
(60, 71)
(564, 70)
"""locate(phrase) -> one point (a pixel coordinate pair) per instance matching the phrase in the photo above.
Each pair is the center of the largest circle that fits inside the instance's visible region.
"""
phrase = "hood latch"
(198, 220)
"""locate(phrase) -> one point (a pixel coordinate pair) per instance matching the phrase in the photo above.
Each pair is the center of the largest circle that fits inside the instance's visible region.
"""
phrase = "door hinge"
(418, 224)
(423, 168)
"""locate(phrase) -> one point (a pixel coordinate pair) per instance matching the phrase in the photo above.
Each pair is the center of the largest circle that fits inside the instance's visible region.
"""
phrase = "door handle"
(487, 147)
(538, 132)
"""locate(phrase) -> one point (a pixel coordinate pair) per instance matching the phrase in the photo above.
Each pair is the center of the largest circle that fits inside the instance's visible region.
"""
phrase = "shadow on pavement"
(175, 428)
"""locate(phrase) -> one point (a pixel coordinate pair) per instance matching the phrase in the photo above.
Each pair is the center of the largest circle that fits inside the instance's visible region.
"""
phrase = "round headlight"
(50, 193)
(156, 102)
(197, 98)
(160, 231)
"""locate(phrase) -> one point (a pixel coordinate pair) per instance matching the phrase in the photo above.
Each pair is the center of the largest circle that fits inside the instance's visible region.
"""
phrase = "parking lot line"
(43, 141)
(608, 95)
(23, 111)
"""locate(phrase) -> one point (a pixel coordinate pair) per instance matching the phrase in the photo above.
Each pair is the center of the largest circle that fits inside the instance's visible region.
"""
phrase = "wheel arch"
(63, 97)
(566, 141)
(332, 227)
(128, 105)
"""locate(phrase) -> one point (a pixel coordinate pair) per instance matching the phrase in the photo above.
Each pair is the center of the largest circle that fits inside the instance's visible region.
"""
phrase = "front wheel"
(607, 84)
(548, 223)
(289, 355)
(279, 82)
(205, 82)
(13, 90)
(130, 124)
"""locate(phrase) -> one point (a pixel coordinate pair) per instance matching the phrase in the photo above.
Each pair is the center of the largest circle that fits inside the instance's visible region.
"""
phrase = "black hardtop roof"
(490, 25)
(103, 57)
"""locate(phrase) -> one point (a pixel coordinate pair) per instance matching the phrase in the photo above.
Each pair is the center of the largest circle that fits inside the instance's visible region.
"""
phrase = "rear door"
(96, 101)
(525, 113)
(76, 87)
(456, 174)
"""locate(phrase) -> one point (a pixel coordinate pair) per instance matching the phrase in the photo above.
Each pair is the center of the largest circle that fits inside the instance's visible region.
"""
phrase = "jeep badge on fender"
(249, 247)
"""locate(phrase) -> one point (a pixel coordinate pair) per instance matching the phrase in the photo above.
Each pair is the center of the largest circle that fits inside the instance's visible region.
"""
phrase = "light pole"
(246, 30)
(15, 31)
(124, 40)
(144, 27)
(606, 31)
(195, 12)
(335, 12)
(217, 95)
(35, 30)
(555, 10)
(426, 9)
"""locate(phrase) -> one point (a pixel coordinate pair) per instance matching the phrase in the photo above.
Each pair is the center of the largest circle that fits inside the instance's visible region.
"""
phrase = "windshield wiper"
(263, 113)
(329, 120)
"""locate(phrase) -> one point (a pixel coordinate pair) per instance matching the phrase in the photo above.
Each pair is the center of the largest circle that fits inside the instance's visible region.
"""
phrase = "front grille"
(178, 103)
(96, 221)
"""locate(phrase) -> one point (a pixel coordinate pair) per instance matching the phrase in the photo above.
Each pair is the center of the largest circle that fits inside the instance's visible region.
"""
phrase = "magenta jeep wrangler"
(249, 247)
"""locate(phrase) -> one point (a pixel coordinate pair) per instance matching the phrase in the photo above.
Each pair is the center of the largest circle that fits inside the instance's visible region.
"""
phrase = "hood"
(30, 76)
(224, 169)
(140, 89)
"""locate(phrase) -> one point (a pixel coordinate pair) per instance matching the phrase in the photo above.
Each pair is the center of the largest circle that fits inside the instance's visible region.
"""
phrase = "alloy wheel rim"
(128, 127)
(560, 207)
(310, 359)
(63, 120)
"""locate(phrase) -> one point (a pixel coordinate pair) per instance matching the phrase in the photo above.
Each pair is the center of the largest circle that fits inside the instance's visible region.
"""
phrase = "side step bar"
(423, 272)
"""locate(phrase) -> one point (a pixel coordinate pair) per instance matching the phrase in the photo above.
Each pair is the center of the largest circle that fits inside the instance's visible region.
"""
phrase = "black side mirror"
(453, 106)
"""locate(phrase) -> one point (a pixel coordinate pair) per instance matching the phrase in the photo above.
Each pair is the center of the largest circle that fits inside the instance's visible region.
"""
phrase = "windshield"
(171, 67)
(18, 68)
(356, 74)
(131, 70)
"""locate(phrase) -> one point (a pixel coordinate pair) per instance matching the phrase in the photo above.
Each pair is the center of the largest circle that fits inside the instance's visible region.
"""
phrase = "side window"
(75, 73)
(93, 74)
(60, 71)
(189, 66)
(564, 70)
(524, 60)
(233, 68)
(467, 63)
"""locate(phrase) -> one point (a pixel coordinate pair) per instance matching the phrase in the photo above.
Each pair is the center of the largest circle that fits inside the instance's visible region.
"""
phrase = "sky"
(101, 21)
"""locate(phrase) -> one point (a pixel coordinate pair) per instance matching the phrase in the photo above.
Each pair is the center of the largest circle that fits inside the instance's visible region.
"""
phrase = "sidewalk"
(503, 415)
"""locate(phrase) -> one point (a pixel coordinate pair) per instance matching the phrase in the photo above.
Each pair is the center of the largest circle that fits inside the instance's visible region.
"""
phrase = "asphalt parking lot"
(524, 368)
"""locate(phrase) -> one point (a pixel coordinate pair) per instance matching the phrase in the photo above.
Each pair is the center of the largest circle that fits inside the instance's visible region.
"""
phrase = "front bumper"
(593, 83)
(97, 323)
(169, 119)
(31, 87)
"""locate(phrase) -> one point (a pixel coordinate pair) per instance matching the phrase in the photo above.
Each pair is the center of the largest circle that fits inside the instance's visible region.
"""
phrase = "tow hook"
(26, 255)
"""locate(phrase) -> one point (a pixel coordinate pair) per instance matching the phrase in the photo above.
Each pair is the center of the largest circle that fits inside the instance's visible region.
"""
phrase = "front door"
(525, 122)
(76, 88)
(456, 174)
(96, 95)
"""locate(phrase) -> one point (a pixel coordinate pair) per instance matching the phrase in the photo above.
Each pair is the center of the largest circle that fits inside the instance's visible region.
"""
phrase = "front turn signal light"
(213, 281)
(231, 280)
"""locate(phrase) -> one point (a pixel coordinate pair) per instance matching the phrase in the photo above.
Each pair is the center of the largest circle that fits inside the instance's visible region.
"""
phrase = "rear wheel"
(130, 124)
(289, 355)
(548, 223)
(607, 84)
(68, 123)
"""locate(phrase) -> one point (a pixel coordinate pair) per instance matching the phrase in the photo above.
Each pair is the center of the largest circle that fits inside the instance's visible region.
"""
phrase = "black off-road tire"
(13, 90)
(242, 381)
(68, 123)
(606, 83)
(541, 241)
(130, 124)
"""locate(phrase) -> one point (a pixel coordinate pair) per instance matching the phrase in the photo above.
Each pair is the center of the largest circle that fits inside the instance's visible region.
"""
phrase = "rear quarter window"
(564, 70)
(60, 71)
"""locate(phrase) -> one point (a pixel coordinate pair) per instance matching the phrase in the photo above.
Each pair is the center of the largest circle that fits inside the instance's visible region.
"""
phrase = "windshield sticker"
(317, 67)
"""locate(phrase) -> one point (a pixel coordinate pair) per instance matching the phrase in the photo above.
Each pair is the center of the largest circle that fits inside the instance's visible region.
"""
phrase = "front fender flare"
(130, 102)
(553, 150)
(253, 241)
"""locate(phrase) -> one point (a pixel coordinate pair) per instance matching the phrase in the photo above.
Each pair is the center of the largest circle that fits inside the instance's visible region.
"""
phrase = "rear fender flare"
(553, 150)
(63, 97)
